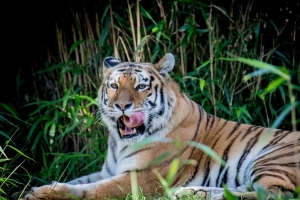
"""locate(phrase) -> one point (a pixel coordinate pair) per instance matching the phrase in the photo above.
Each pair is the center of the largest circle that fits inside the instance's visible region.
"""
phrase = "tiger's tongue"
(134, 120)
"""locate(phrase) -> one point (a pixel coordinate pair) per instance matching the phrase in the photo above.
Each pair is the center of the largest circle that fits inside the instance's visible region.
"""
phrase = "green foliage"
(12, 172)
(65, 130)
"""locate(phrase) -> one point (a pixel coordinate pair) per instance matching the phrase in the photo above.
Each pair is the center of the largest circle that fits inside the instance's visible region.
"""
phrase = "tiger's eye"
(141, 86)
(114, 86)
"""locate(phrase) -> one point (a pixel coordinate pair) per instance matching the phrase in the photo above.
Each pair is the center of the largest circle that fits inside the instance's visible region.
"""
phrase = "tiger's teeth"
(134, 130)
(121, 131)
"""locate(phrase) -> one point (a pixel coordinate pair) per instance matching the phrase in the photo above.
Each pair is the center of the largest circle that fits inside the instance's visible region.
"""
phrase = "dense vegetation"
(239, 60)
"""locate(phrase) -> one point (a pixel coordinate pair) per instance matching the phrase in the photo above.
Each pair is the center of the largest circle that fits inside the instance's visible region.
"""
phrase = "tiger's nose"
(123, 106)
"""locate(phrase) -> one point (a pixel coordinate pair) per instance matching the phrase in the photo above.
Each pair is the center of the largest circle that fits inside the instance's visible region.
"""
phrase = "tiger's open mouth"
(131, 126)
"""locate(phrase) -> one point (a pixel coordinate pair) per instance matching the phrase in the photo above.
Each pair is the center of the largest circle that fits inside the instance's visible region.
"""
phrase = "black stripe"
(207, 121)
(162, 101)
(279, 132)
(138, 151)
(156, 92)
(212, 123)
(150, 81)
(266, 174)
(225, 158)
(104, 99)
(192, 104)
(113, 148)
(275, 140)
(131, 65)
(80, 181)
(108, 169)
(224, 179)
(262, 160)
(153, 104)
(219, 131)
(234, 129)
(268, 167)
(182, 94)
(207, 161)
(251, 129)
(199, 122)
(123, 149)
(195, 149)
(208, 182)
(100, 177)
(206, 170)
(249, 146)
(169, 105)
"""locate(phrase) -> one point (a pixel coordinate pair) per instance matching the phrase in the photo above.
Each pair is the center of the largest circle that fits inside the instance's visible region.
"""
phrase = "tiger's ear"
(166, 64)
(110, 62)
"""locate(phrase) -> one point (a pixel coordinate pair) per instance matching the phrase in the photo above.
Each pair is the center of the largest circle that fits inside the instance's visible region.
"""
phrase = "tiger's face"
(135, 100)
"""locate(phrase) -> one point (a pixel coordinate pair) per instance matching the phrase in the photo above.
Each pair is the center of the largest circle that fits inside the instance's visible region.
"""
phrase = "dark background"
(28, 29)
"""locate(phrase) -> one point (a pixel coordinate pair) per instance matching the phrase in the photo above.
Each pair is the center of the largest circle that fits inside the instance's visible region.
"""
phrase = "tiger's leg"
(117, 186)
(277, 170)
(91, 178)
(273, 191)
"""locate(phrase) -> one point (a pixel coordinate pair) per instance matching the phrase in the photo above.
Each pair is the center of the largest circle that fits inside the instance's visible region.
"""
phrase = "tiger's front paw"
(54, 191)
(39, 192)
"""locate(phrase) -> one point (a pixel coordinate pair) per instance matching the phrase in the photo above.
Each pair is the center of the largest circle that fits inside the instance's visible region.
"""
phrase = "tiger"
(138, 102)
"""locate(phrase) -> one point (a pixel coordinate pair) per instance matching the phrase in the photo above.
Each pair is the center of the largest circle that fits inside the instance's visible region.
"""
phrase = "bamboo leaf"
(146, 14)
(174, 167)
(282, 94)
(94, 101)
(272, 86)
(256, 73)
(74, 46)
(283, 57)
(34, 127)
(244, 111)
(283, 114)
(199, 30)
(204, 64)
(264, 67)
(184, 28)
(4, 159)
(4, 135)
(20, 152)
(201, 84)
(229, 195)
(3, 153)
(222, 107)
(9, 109)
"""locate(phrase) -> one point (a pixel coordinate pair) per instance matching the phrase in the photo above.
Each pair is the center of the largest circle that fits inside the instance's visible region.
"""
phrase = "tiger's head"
(136, 99)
